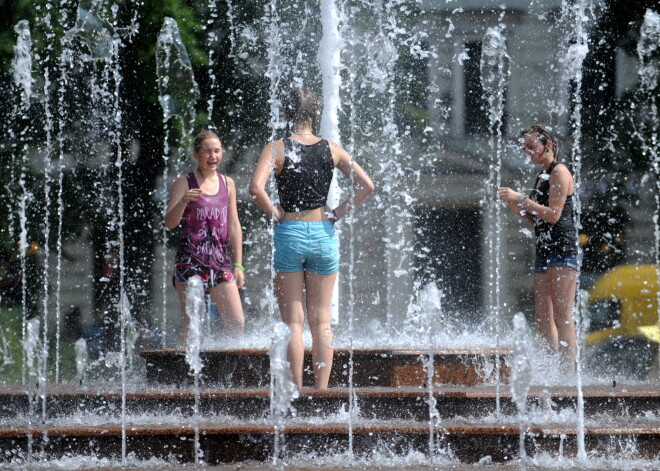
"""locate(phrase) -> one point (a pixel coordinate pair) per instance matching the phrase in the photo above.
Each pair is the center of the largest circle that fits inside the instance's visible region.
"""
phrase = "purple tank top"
(203, 240)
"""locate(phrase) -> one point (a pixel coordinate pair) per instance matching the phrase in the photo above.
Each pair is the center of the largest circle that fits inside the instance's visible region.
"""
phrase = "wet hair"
(544, 135)
(300, 105)
(203, 135)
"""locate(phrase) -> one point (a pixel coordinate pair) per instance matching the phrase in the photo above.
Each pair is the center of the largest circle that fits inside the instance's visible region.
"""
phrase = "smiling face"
(208, 154)
(534, 148)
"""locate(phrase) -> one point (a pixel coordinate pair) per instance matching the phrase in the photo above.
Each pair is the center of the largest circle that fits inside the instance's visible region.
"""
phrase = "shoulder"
(182, 180)
(274, 147)
(337, 150)
(333, 145)
(561, 171)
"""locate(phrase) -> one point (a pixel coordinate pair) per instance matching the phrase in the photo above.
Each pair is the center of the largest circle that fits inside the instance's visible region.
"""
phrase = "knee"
(321, 330)
(296, 326)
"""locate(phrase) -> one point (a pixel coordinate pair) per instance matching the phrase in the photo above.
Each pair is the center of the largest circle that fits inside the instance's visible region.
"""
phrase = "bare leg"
(228, 302)
(319, 297)
(181, 291)
(563, 284)
(289, 291)
(544, 315)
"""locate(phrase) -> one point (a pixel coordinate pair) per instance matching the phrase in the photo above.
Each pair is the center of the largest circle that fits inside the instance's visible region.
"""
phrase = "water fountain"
(650, 82)
(494, 68)
(521, 378)
(417, 382)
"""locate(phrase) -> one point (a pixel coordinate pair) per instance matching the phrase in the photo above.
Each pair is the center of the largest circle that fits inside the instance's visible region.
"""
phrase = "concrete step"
(386, 403)
(240, 442)
(250, 368)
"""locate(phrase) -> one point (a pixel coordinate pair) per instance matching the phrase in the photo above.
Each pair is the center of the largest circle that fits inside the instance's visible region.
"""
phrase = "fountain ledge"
(249, 368)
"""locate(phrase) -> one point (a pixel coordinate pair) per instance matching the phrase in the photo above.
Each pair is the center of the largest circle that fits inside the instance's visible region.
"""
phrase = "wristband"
(238, 265)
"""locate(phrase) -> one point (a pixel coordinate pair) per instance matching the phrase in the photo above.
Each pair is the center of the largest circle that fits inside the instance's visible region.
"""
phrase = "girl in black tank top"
(304, 181)
(550, 209)
(306, 258)
(559, 238)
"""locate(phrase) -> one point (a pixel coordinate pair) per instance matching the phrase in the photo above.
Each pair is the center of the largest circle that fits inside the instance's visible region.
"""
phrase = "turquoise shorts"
(311, 246)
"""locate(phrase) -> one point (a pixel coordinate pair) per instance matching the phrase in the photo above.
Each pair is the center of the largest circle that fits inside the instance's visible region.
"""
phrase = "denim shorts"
(311, 246)
(552, 261)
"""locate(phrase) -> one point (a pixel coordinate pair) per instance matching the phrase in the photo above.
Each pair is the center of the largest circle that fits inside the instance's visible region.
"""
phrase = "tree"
(84, 126)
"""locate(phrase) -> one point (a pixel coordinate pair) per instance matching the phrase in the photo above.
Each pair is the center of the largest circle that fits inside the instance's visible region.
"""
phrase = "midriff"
(307, 215)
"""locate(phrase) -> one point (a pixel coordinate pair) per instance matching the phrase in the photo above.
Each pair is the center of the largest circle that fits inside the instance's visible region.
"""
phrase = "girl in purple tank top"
(211, 240)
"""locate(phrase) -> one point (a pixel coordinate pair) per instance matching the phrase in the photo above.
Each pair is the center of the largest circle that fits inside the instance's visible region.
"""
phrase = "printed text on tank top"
(210, 213)
(205, 232)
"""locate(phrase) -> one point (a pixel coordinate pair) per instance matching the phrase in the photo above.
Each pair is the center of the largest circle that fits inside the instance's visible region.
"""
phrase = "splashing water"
(82, 359)
(577, 16)
(178, 93)
(21, 64)
(431, 300)
(195, 309)
(329, 59)
(98, 38)
(178, 90)
(31, 346)
(283, 390)
(494, 66)
(22, 81)
(649, 75)
(521, 376)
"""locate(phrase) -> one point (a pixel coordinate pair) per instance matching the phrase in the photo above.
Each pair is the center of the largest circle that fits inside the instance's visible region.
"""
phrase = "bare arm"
(180, 196)
(235, 233)
(361, 181)
(271, 156)
(514, 200)
(561, 185)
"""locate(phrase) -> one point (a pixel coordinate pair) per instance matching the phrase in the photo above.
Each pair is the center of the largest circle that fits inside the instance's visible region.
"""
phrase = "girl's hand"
(279, 214)
(191, 195)
(507, 194)
(330, 214)
(240, 277)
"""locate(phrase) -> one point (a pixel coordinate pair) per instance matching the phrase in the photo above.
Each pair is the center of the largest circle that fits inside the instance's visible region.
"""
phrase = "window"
(476, 106)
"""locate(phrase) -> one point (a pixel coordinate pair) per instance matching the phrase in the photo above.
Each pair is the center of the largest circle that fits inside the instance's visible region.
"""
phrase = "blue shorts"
(311, 246)
(552, 261)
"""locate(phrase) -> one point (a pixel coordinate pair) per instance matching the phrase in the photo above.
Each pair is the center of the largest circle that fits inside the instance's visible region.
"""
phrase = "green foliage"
(614, 126)
(11, 352)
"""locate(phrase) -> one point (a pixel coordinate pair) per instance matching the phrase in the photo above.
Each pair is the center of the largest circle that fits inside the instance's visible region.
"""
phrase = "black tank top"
(553, 239)
(304, 181)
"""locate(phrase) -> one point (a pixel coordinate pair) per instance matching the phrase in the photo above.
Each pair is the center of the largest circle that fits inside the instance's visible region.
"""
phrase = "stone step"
(405, 403)
(236, 443)
(388, 368)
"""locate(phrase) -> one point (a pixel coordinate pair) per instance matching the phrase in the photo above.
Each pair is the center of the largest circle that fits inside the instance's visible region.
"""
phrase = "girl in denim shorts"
(549, 208)
(306, 251)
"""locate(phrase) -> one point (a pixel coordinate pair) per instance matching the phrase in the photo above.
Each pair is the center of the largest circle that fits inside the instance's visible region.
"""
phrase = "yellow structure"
(623, 319)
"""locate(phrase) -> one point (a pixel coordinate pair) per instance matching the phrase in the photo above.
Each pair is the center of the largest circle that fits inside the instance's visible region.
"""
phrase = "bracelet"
(238, 265)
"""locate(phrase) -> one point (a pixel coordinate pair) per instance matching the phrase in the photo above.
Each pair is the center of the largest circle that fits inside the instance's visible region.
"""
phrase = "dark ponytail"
(300, 105)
